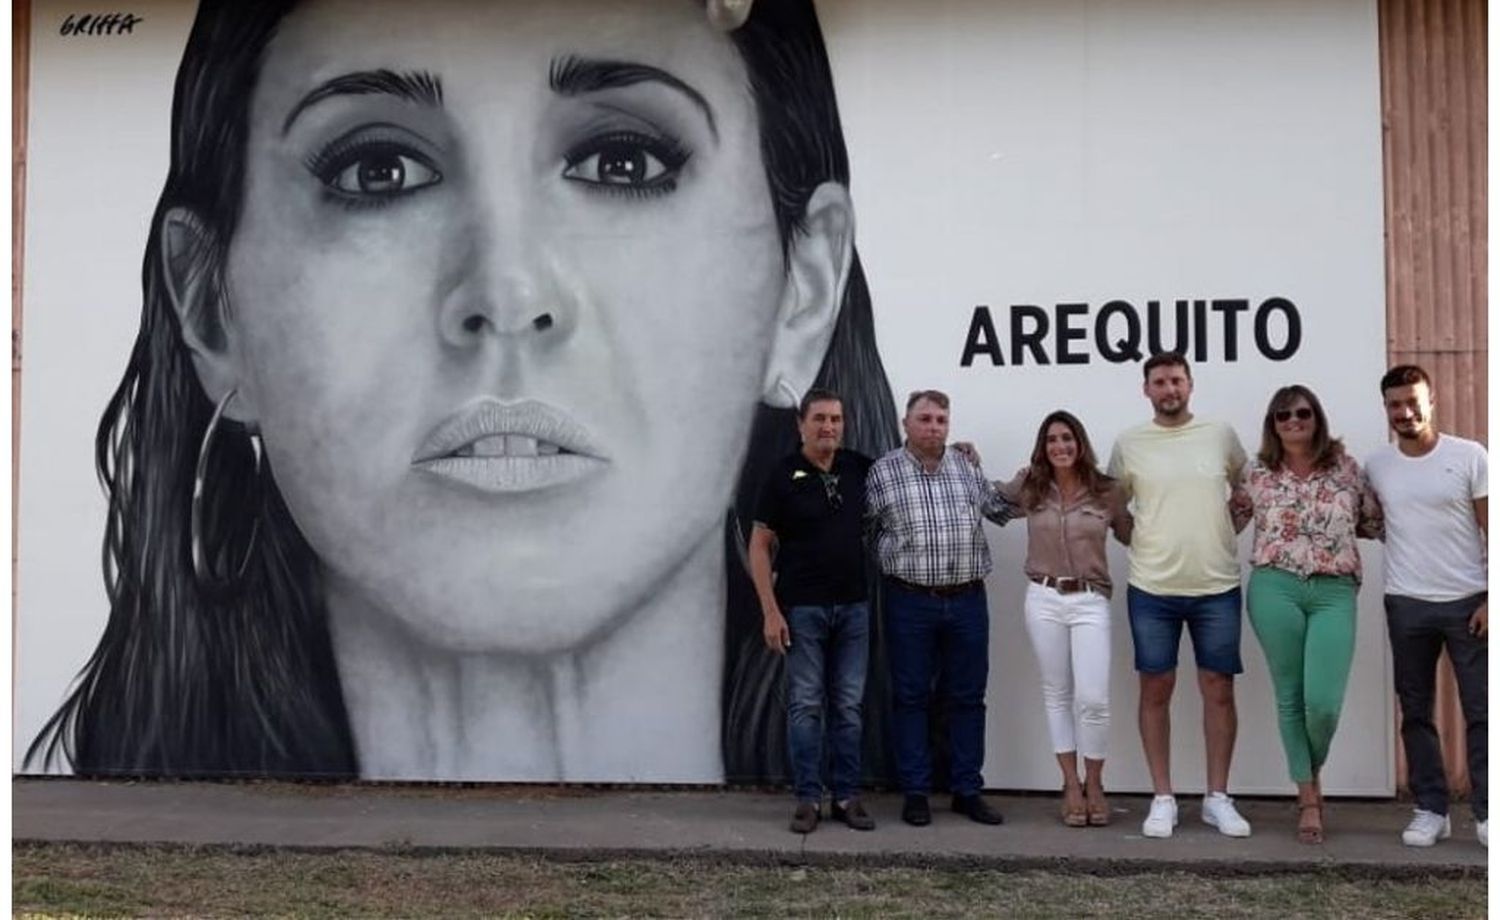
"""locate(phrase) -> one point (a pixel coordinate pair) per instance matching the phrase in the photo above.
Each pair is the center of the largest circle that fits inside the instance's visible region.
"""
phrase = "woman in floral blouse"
(1309, 501)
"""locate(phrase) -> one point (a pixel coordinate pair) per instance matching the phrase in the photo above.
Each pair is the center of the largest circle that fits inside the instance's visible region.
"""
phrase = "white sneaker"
(1426, 828)
(1482, 831)
(1162, 819)
(1219, 811)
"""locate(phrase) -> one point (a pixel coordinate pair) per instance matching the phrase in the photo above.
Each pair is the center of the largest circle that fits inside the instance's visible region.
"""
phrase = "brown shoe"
(1074, 807)
(805, 818)
(1310, 822)
(1098, 807)
(853, 814)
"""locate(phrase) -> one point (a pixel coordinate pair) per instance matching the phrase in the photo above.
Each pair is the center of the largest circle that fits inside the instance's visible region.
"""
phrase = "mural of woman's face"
(504, 293)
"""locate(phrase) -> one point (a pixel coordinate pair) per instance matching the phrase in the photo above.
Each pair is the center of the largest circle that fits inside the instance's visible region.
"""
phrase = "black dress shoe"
(805, 818)
(977, 809)
(854, 815)
(914, 811)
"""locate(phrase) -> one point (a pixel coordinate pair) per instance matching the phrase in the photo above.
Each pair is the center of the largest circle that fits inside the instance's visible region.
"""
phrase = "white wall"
(97, 154)
(1068, 151)
(1017, 153)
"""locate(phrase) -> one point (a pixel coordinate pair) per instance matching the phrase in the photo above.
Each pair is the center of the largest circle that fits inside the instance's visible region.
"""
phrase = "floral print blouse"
(1308, 526)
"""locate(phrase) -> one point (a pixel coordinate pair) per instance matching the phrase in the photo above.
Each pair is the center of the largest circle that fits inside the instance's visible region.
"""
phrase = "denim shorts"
(1213, 622)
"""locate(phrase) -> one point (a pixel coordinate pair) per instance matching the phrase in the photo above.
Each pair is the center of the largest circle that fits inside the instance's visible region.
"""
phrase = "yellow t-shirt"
(1178, 481)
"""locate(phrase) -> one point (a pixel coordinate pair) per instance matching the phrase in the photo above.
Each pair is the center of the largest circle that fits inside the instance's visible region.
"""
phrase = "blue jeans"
(949, 636)
(829, 656)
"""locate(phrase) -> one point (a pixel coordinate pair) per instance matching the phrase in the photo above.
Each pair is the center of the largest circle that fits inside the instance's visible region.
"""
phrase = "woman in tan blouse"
(1070, 506)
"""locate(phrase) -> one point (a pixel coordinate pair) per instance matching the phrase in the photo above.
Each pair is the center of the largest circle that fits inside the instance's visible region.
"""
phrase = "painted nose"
(507, 290)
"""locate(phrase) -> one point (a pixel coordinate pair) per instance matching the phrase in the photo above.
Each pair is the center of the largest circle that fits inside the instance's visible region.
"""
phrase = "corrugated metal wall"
(1433, 105)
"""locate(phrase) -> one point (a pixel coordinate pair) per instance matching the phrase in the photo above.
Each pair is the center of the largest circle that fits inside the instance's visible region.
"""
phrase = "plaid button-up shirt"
(928, 528)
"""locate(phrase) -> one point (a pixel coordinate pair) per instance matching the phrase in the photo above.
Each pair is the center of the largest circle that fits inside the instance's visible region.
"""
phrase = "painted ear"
(817, 269)
(194, 286)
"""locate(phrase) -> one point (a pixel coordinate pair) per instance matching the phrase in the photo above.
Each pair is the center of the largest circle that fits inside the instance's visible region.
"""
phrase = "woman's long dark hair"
(192, 681)
(1039, 477)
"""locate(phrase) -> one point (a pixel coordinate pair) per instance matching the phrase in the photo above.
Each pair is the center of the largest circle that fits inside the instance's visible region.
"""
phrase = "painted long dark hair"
(191, 681)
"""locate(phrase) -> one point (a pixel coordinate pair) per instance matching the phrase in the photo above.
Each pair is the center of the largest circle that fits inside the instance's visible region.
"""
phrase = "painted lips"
(504, 447)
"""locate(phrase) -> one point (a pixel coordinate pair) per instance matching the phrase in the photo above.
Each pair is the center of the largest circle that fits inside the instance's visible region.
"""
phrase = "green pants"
(1306, 627)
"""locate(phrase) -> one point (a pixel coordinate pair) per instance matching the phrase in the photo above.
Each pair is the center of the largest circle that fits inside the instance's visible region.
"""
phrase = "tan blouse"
(1066, 540)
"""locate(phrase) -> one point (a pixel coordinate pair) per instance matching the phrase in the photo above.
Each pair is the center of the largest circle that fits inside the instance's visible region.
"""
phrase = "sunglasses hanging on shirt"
(831, 490)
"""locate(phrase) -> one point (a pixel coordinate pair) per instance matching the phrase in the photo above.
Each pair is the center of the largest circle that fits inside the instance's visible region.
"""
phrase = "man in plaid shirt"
(926, 506)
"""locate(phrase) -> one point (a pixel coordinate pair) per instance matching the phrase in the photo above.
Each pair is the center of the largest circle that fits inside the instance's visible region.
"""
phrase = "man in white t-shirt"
(1178, 473)
(1434, 491)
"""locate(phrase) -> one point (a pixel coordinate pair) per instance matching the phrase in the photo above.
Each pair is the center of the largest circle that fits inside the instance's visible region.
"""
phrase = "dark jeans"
(829, 656)
(950, 637)
(1419, 630)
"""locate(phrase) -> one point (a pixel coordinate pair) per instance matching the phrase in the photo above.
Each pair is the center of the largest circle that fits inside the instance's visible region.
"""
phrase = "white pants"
(1070, 633)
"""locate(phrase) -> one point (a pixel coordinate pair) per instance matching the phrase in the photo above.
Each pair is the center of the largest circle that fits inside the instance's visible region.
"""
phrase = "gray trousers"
(1419, 630)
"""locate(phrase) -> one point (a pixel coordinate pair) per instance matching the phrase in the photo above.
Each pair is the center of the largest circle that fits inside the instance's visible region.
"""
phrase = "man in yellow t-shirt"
(1178, 473)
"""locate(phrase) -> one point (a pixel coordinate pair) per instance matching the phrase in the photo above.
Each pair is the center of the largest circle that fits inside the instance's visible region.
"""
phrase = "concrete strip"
(1363, 837)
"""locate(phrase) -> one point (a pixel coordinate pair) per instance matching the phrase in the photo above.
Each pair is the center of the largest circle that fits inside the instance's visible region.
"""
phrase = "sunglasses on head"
(1285, 415)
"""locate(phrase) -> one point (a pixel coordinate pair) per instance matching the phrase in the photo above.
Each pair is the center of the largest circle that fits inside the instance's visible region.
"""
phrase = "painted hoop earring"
(202, 560)
(728, 15)
(785, 388)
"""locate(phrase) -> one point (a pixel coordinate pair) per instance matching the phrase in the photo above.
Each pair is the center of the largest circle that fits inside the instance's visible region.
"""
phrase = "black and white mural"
(429, 355)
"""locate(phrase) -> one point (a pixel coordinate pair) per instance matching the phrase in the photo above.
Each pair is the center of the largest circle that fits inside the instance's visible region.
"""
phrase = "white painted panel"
(1019, 153)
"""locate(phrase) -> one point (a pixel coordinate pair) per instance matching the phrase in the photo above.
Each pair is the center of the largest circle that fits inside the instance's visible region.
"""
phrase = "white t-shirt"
(1434, 550)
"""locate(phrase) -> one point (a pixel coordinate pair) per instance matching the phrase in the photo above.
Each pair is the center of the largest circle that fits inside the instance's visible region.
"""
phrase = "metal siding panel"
(1433, 91)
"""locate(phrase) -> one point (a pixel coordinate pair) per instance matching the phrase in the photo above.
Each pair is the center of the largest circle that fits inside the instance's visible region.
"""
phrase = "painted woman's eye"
(376, 165)
(626, 163)
(383, 173)
(618, 164)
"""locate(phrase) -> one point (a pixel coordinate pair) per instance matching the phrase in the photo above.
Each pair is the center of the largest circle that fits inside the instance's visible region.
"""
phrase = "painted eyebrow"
(574, 76)
(417, 86)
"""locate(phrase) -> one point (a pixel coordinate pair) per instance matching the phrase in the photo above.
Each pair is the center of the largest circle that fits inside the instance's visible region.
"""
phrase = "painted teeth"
(508, 445)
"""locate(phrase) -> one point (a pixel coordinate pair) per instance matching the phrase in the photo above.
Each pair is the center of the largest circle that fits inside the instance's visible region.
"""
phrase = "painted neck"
(639, 703)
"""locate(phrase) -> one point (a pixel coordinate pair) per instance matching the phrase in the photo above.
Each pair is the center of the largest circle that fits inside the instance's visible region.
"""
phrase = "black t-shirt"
(818, 519)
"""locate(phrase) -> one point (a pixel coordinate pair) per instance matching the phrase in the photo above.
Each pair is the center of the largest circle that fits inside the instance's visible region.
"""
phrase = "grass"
(100, 880)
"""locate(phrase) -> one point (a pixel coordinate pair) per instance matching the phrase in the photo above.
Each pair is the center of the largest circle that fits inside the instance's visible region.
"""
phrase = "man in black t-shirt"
(811, 511)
